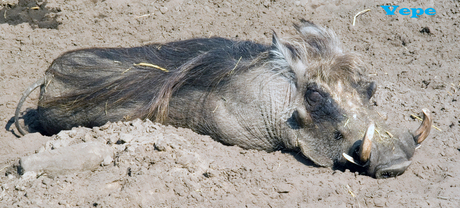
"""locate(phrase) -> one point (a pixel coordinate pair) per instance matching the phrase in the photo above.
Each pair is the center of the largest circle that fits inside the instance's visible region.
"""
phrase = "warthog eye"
(321, 106)
(313, 97)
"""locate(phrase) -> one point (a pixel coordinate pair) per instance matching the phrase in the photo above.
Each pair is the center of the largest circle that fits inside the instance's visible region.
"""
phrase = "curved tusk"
(424, 130)
(366, 146)
(350, 159)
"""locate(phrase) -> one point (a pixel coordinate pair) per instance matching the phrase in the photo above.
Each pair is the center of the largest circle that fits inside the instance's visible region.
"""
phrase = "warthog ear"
(371, 88)
(322, 41)
(287, 54)
(285, 50)
(367, 89)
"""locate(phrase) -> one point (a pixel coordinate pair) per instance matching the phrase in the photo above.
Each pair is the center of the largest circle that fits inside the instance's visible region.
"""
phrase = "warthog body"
(303, 94)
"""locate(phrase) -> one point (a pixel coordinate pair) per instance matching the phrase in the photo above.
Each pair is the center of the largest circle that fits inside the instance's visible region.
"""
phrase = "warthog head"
(330, 116)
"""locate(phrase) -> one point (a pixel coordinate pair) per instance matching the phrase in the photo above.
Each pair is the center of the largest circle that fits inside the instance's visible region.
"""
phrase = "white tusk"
(424, 130)
(350, 159)
(366, 146)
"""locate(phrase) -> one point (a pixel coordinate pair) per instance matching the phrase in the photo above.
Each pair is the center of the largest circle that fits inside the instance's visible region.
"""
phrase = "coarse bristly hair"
(113, 75)
(316, 55)
(108, 75)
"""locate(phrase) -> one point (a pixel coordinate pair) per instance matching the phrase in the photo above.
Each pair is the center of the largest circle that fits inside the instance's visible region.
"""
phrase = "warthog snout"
(387, 161)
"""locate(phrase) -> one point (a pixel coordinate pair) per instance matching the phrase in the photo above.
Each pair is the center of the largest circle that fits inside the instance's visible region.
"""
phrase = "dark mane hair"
(315, 55)
(148, 74)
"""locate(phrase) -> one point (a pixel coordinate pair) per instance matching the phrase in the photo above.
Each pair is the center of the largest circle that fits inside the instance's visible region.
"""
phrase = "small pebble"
(126, 138)
(163, 10)
(20, 188)
(107, 161)
(378, 202)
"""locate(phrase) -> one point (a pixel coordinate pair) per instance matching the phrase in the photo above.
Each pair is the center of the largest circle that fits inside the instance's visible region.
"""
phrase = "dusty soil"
(415, 62)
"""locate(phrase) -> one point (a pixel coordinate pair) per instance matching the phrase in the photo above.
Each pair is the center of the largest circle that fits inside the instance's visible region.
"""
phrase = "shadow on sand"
(29, 122)
(33, 12)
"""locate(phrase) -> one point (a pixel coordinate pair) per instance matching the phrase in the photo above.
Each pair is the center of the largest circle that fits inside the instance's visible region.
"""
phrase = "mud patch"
(36, 13)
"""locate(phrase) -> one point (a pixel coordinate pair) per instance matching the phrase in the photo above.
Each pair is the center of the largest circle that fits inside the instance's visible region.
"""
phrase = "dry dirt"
(414, 60)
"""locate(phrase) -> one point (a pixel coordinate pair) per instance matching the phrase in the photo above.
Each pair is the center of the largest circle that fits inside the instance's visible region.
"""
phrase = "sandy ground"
(415, 62)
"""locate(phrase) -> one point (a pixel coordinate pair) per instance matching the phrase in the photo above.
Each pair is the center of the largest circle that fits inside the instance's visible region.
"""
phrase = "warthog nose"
(393, 170)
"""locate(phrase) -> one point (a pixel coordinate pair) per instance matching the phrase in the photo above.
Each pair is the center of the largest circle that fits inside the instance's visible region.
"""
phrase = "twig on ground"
(359, 13)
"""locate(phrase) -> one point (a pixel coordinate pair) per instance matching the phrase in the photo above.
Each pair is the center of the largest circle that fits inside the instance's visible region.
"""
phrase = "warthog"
(300, 94)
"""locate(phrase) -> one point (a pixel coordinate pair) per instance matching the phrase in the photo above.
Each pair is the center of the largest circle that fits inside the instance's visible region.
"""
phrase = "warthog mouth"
(393, 168)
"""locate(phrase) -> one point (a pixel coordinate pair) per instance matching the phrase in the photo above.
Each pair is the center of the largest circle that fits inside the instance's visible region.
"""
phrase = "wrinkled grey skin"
(303, 94)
